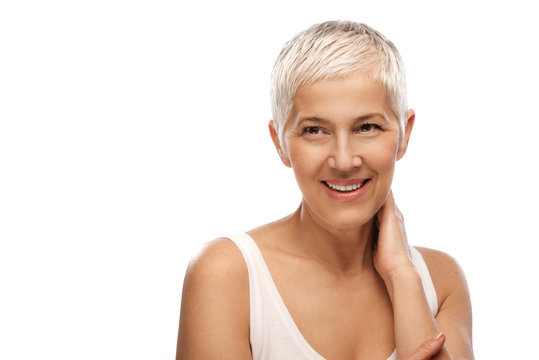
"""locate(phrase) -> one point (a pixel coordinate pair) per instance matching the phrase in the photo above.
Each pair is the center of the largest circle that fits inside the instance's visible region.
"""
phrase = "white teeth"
(345, 187)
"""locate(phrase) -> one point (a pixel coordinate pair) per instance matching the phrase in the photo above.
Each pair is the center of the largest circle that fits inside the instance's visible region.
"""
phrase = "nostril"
(356, 161)
(344, 162)
(332, 162)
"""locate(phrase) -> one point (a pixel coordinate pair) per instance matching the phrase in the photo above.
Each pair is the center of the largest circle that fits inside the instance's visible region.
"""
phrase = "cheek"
(382, 162)
(301, 159)
(307, 162)
(381, 159)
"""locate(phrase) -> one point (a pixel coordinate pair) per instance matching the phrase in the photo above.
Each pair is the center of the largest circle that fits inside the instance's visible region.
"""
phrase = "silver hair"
(332, 49)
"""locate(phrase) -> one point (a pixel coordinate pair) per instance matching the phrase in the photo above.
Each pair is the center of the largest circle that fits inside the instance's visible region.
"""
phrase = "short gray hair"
(332, 49)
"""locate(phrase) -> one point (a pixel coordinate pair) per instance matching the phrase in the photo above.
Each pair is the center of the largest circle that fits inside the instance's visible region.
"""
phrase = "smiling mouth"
(346, 188)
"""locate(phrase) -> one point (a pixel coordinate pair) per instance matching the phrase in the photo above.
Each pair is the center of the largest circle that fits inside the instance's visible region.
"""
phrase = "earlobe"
(277, 143)
(410, 120)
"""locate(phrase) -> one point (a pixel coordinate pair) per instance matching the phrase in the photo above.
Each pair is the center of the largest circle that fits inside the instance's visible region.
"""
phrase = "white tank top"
(274, 334)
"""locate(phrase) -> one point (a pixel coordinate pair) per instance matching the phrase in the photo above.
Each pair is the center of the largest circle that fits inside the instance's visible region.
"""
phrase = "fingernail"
(439, 336)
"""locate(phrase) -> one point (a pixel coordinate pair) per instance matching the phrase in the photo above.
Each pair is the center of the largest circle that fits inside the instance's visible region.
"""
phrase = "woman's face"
(342, 141)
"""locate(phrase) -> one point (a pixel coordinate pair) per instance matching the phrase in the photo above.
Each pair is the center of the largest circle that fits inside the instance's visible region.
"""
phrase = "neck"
(343, 250)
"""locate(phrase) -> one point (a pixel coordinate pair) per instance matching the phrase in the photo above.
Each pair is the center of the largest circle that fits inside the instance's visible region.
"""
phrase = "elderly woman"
(336, 279)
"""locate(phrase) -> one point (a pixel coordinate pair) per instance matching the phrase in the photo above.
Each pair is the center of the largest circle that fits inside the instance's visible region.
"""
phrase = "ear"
(410, 119)
(277, 143)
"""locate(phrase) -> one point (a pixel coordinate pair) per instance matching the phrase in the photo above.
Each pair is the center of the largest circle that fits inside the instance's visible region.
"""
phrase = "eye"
(368, 127)
(311, 130)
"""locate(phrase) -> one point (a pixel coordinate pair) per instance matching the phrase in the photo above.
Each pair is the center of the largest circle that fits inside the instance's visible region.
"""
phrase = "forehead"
(343, 97)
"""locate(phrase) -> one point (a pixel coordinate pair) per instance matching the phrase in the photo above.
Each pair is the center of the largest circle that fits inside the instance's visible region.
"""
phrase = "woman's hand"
(412, 317)
(392, 252)
(429, 348)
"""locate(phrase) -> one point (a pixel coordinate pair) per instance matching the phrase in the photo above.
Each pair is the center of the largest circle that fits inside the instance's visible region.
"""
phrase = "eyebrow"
(373, 115)
(358, 119)
(313, 119)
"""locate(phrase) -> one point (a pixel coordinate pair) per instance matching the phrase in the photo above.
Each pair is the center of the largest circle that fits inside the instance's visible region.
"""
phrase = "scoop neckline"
(285, 313)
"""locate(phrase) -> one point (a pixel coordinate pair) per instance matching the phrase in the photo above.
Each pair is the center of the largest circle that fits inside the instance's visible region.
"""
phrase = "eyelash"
(307, 129)
(376, 126)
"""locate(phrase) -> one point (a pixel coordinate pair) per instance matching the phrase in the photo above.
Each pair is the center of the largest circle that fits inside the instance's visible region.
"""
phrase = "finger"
(390, 200)
(388, 206)
(428, 349)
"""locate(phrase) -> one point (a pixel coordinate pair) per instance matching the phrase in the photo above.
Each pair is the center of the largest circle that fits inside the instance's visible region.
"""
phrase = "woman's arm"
(214, 317)
(413, 320)
(455, 309)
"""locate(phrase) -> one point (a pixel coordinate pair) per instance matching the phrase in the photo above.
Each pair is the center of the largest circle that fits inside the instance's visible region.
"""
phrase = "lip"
(346, 196)
(344, 182)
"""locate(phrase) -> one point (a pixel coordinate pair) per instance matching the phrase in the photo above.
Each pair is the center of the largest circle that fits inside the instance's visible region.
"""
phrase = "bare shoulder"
(438, 261)
(219, 259)
(214, 317)
(218, 270)
(218, 273)
(445, 271)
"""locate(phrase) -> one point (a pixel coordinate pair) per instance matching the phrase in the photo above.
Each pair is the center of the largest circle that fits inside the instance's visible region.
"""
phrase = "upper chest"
(339, 317)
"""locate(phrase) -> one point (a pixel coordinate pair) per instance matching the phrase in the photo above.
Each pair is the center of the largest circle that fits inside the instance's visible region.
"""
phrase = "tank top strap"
(273, 333)
(428, 285)
(257, 278)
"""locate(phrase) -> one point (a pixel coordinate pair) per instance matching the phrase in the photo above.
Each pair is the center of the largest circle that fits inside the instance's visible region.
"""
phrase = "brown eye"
(311, 130)
(368, 127)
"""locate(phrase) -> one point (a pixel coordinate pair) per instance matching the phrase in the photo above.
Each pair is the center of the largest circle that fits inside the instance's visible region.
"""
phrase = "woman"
(337, 278)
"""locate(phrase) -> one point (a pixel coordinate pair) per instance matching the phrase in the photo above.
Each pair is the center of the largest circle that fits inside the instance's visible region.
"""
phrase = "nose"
(344, 155)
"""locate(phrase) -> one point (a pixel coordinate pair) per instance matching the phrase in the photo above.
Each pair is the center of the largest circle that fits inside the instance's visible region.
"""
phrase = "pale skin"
(363, 301)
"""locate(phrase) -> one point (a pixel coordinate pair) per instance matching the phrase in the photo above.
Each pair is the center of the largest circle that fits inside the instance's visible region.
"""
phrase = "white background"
(134, 131)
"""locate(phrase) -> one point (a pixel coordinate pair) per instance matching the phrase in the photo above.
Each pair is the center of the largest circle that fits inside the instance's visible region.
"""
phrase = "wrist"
(404, 277)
